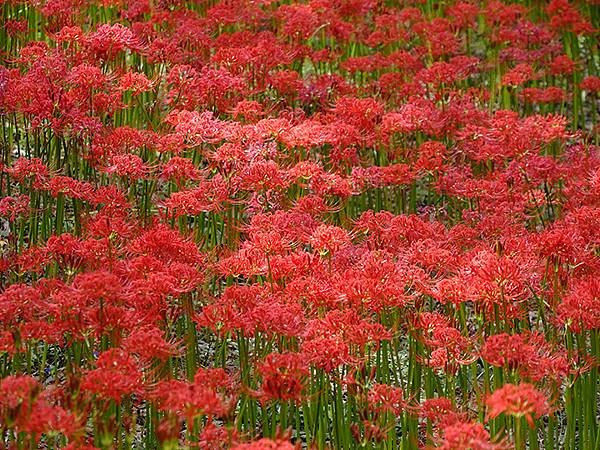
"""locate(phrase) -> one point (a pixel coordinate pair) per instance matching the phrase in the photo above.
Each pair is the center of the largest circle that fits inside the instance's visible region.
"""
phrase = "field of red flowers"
(272, 224)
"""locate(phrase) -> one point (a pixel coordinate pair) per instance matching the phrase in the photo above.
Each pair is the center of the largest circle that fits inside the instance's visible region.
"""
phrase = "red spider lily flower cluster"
(299, 224)
(523, 400)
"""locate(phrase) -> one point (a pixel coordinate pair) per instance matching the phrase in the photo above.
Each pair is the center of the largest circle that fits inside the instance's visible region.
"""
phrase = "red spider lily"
(449, 348)
(166, 245)
(262, 176)
(253, 309)
(46, 418)
(299, 21)
(283, 377)
(250, 111)
(327, 240)
(18, 392)
(69, 187)
(86, 77)
(531, 355)
(552, 94)
(359, 204)
(210, 88)
(415, 116)
(197, 128)
(117, 375)
(499, 281)
(267, 444)
(80, 446)
(376, 282)
(149, 343)
(7, 342)
(135, 82)
(269, 243)
(286, 83)
(522, 400)
(210, 195)
(69, 34)
(504, 349)
(579, 308)
(26, 408)
(108, 40)
(33, 169)
(15, 27)
(111, 198)
(214, 437)
(439, 37)
(326, 342)
(518, 75)
(386, 399)
(565, 16)
(562, 65)
(362, 113)
(372, 432)
(211, 394)
(463, 14)
(440, 411)
(293, 227)
(127, 166)
(327, 353)
(468, 435)
(591, 84)
(20, 303)
(12, 207)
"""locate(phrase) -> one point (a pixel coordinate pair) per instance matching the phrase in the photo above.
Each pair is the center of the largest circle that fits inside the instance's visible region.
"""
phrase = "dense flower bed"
(260, 224)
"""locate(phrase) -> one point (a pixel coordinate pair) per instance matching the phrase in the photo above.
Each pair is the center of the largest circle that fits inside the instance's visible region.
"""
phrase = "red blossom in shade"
(12, 207)
(518, 75)
(46, 418)
(215, 437)
(18, 391)
(591, 84)
(7, 342)
(283, 377)
(562, 65)
(383, 398)
(505, 350)
(440, 411)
